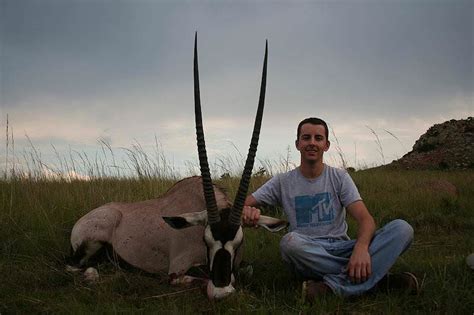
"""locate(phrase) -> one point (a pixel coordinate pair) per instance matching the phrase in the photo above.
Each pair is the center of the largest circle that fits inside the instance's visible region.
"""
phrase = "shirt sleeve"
(269, 193)
(349, 191)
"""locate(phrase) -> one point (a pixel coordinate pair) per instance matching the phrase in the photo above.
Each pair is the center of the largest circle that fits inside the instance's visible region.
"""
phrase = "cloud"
(67, 176)
(124, 73)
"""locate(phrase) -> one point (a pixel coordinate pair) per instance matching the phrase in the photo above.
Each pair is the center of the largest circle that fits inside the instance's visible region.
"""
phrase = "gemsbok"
(194, 223)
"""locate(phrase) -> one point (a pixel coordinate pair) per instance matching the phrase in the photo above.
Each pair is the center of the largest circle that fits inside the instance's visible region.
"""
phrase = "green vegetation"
(36, 217)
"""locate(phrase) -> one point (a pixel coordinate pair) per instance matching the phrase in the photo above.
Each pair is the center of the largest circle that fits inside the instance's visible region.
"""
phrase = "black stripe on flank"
(176, 222)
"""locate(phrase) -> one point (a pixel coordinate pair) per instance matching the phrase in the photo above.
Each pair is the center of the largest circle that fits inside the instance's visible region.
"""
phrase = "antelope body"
(193, 223)
(140, 236)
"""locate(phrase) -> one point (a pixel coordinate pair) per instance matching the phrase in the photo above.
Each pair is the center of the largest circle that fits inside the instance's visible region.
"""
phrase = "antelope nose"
(217, 293)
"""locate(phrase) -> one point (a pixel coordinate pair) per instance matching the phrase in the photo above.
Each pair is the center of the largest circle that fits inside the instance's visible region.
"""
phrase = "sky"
(76, 74)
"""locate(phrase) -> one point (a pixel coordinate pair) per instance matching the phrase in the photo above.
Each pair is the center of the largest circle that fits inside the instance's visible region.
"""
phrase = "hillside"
(449, 145)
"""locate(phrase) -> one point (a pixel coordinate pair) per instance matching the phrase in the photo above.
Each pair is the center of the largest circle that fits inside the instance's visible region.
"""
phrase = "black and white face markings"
(223, 240)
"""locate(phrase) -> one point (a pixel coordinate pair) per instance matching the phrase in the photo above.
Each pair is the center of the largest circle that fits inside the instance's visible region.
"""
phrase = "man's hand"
(360, 265)
(359, 268)
(250, 216)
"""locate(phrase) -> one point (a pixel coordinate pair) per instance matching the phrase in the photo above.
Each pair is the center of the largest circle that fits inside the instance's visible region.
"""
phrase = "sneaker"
(312, 289)
(404, 282)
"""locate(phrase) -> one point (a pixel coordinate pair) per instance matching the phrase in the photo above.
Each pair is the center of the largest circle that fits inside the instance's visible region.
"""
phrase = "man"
(315, 198)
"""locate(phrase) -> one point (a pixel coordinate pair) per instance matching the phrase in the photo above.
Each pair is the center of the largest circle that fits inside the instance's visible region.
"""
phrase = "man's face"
(312, 142)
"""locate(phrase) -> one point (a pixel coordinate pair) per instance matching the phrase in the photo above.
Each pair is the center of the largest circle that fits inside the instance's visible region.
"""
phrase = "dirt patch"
(442, 186)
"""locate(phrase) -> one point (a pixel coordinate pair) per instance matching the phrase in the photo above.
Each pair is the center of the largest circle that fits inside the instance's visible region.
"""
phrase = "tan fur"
(139, 235)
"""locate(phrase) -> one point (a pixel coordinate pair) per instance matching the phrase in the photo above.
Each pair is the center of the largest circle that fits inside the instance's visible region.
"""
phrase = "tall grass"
(131, 162)
(138, 161)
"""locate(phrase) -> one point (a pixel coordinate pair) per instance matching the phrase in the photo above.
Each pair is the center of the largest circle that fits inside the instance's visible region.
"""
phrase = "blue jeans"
(312, 258)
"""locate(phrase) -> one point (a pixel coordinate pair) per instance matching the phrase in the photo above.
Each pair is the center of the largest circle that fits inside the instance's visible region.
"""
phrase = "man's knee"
(292, 244)
(289, 243)
(296, 245)
(403, 229)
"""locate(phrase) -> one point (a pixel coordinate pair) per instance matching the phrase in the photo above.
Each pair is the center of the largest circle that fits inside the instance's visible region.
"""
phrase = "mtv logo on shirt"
(314, 210)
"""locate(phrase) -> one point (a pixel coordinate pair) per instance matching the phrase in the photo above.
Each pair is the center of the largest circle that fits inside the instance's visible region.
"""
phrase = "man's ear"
(187, 219)
(296, 144)
(272, 224)
(327, 145)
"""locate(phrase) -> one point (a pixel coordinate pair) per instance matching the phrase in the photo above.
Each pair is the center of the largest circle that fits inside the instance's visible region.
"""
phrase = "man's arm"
(267, 193)
(251, 201)
(360, 267)
(250, 213)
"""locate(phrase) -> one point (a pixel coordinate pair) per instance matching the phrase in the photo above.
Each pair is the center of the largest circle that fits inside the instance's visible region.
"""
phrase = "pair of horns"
(212, 211)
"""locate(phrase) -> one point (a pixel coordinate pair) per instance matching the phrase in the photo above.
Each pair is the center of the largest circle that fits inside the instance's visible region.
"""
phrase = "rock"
(442, 186)
(444, 146)
(470, 260)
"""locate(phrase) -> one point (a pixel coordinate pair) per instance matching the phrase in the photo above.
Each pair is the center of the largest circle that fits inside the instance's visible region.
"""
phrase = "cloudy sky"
(78, 73)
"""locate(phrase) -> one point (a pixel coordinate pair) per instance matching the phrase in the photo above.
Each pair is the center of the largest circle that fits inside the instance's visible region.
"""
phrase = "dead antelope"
(193, 223)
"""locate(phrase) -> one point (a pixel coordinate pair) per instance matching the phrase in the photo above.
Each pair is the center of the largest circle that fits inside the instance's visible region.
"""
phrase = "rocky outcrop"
(449, 145)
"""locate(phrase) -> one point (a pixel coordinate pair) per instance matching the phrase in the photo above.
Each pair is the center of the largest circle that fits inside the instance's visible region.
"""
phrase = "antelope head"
(223, 233)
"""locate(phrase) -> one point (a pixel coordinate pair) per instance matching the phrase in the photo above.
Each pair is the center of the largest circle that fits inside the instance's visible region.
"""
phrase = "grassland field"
(36, 217)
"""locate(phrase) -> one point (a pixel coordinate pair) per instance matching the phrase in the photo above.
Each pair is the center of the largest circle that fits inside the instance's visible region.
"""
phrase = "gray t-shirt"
(316, 206)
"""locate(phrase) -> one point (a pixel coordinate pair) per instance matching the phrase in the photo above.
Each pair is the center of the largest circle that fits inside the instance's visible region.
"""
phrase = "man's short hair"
(313, 121)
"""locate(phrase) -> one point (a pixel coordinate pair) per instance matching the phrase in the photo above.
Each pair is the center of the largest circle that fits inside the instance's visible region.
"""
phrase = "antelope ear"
(187, 219)
(272, 224)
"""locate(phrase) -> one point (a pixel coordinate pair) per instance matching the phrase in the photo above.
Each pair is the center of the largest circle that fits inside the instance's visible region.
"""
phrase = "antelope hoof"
(91, 275)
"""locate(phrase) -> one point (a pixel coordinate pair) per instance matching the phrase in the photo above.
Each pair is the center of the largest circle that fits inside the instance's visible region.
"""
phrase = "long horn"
(234, 217)
(212, 212)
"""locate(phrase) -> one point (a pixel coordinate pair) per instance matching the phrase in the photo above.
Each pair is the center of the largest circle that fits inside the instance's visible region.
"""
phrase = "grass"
(36, 217)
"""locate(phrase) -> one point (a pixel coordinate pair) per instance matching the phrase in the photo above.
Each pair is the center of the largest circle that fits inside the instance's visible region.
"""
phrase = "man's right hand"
(250, 216)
